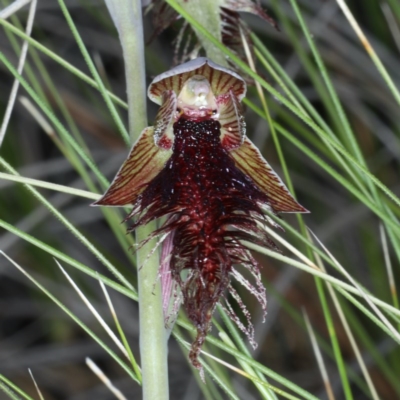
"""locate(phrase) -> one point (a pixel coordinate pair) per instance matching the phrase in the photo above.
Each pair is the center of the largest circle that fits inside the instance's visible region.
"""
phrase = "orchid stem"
(207, 11)
(127, 16)
(153, 337)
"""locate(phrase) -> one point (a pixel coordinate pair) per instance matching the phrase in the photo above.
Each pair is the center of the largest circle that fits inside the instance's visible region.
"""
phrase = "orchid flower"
(197, 169)
(220, 17)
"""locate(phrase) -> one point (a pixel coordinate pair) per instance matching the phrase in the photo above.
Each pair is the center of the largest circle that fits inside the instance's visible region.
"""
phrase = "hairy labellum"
(196, 168)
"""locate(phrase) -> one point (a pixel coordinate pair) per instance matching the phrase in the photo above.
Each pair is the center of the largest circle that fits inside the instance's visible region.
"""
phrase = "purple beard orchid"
(198, 170)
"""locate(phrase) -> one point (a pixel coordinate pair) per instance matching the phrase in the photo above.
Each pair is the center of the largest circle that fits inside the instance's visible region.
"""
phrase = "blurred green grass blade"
(366, 296)
(215, 377)
(395, 6)
(253, 363)
(27, 68)
(325, 308)
(339, 284)
(303, 239)
(49, 185)
(394, 239)
(121, 332)
(63, 146)
(209, 390)
(216, 373)
(240, 343)
(128, 19)
(127, 291)
(367, 341)
(218, 369)
(296, 316)
(49, 114)
(292, 121)
(327, 92)
(352, 318)
(302, 53)
(351, 338)
(360, 196)
(308, 265)
(72, 229)
(334, 341)
(110, 216)
(48, 81)
(69, 67)
(349, 135)
(370, 50)
(266, 58)
(218, 354)
(260, 383)
(95, 74)
(364, 310)
(338, 110)
(311, 139)
(267, 114)
(318, 356)
(75, 319)
(6, 385)
(389, 268)
(276, 77)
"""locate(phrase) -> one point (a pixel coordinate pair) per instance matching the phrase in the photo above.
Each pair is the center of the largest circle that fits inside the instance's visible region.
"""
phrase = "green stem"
(208, 12)
(153, 338)
(395, 6)
(127, 16)
(110, 105)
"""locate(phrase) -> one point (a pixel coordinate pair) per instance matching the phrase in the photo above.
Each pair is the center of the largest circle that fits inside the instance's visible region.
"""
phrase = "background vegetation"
(334, 103)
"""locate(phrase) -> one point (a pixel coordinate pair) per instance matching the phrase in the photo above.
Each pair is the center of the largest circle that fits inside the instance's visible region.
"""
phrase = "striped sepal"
(233, 126)
(163, 131)
(250, 161)
(221, 79)
(144, 162)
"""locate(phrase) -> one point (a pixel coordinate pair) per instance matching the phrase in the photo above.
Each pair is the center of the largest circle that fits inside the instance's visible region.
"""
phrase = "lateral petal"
(163, 131)
(144, 162)
(233, 126)
(250, 161)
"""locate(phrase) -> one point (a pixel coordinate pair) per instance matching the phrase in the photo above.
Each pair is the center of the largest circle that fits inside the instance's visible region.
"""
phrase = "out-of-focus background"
(35, 334)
